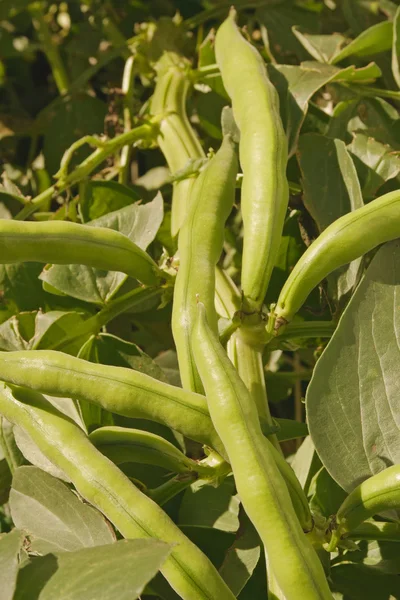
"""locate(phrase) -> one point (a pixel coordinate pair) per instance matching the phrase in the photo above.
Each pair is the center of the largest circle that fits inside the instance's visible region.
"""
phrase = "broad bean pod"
(261, 487)
(263, 156)
(378, 493)
(177, 140)
(116, 389)
(61, 242)
(200, 245)
(121, 445)
(101, 483)
(344, 240)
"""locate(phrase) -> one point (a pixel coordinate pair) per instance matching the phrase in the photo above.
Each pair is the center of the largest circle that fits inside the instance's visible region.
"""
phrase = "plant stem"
(128, 81)
(49, 48)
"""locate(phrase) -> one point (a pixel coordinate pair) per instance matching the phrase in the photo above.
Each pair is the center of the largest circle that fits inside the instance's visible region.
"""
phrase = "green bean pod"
(101, 483)
(200, 245)
(62, 243)
(123, 391)
(378, 493)
(263, 156)
(344, 240)
(261, 487)
(121, 445)
(177, 140)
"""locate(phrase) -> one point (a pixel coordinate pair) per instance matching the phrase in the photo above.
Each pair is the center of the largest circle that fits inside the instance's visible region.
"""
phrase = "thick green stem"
(49, 48)
(171, 488)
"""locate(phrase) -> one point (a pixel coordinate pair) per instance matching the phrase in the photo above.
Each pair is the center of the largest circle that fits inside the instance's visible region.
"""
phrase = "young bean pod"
(122, 445)
(101, 483)
(261, 487)
(344, 240)
(177, 140)
(116, 389)
(62, 243)
(378, 493)
(263, 156)
(200, 245)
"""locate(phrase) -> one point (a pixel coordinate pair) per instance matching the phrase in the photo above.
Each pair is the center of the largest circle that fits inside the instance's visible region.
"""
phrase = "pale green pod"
(64, 243)
(346, 239)
(101, 483)
(200, 246)
(260, 485)
(116, 389)
(263, 156)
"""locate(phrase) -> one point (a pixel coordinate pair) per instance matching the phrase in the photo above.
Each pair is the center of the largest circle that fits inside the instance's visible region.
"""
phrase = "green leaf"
(321, 47)
(242, 557)
(396, 48)
(327, 495)
(206, 506)
(103, 197)
(306, 463)
(353, 394)
(54, 516)
(362, 583)
(331, 189)
(10, 548)
(380, 555)
(376, 163)
(119, 570)
(374, 40)
(139, 223)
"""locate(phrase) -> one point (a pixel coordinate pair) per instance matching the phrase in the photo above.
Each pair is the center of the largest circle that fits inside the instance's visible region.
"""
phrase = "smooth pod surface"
(116, 389)
(346, 239)
(101, 483)
(200, 246)
(260, 485)
(263, 156)
(63, 243)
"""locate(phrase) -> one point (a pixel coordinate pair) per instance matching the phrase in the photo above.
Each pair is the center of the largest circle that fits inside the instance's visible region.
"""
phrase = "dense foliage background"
(76, 68)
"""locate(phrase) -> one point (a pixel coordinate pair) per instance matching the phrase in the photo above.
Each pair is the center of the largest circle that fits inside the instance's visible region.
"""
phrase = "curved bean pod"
(200, 245)
(177, 140)
(116, 389)
(121, 445)
(344, 240)
(261, 487)
(101, 483)
(62, 243)
(374, 495)
(263, 156)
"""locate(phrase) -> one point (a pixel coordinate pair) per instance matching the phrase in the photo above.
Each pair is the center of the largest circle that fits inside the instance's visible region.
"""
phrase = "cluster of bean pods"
(222, 400)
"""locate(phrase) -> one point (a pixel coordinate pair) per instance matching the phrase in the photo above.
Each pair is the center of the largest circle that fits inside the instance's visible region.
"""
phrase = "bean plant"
(199, 316)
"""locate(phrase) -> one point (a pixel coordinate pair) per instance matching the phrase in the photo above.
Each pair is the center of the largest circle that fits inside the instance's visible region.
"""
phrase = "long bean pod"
(261, 487)
(61, 242)
(200, 245)
(263, 156)
(344, 240)
(121, 444)
(116, 389)
(378, 493)
(101, 483)
(177, 140)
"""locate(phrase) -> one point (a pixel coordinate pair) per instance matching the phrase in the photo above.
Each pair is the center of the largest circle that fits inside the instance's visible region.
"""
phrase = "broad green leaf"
(119, 570)
(213, 542)
(139, 223)
(326, 494)
(297, 84)
(321, 47)
(376, 163)
(242, 557)
(20, 287)
(396, 48)
(103, 197)
(358, 582)
(209, 107)
(380, 555)
(54, 516)
(10, 548)
(306, 463)
(374, 40)
(70, 120)
(290, 429)
(206, 506)
(353, 395)
(331, 189)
